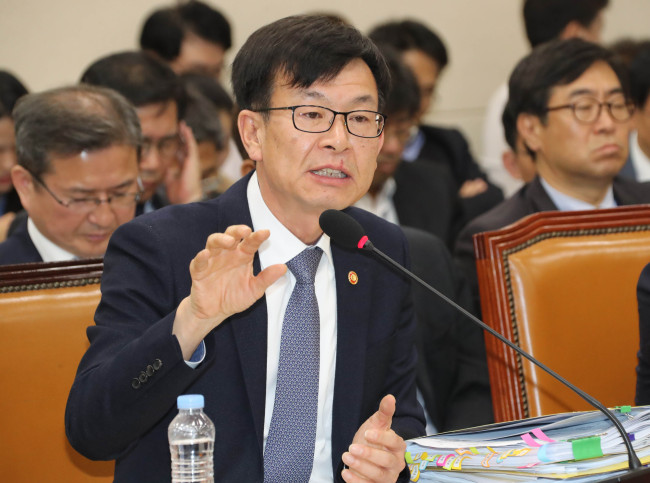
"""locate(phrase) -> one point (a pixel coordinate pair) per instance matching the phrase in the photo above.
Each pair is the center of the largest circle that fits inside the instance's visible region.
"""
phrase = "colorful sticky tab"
(539, 434)
(530, 441)
(586, 448)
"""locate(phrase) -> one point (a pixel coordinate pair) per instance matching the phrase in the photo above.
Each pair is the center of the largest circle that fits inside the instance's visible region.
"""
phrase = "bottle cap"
(190, 401)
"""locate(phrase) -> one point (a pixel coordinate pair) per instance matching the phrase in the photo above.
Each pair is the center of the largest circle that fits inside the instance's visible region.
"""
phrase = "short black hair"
(639, 70)
(546, 19)
(68, 120)
(139, 77)
(409, 35)
(11, 89)
(404, 94)
(555, 63)
(306, 49)
(211, 89)
(164, 30)
(202, 117)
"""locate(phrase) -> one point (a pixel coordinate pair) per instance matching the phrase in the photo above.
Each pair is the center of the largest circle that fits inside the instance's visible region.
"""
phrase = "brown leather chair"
(44, 311)
(562, 285)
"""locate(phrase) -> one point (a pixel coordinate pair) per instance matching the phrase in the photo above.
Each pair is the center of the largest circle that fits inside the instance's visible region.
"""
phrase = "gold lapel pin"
(353, 278)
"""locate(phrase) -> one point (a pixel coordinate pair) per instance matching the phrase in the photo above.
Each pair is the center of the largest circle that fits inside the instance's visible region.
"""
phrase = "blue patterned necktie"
(289, 452)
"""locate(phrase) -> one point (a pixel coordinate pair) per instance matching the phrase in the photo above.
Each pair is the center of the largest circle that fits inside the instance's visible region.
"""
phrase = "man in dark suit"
(424, 52)
(169, 160)
(193, 296)
(77, 173)
(638, 164)
(452, 369)
(452, 374)
(418, 194)
(570, 102)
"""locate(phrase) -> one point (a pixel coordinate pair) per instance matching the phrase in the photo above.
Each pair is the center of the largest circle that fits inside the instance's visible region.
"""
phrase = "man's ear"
(251, 129)
(571, 30)
(24, 184)
(529, 129)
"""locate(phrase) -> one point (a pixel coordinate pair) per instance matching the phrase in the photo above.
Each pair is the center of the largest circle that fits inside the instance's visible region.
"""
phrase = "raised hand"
(377, 452)
(223, 284)
(183, 182)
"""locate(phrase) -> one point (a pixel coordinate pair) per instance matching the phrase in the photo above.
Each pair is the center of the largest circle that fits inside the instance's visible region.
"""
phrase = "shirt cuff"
(197, 357)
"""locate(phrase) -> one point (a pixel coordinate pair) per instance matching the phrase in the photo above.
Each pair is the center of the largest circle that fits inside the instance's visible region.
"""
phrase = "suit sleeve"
(133, 370)
(643, 368)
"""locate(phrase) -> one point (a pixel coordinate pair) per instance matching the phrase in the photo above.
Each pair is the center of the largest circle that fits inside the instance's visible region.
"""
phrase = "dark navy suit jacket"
(109, 415)
(18, 247)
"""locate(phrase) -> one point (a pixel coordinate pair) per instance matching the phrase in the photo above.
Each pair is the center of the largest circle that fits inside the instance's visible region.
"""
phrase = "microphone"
(348, 233)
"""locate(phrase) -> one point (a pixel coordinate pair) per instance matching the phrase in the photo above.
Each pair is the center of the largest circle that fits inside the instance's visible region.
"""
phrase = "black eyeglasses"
(317, 119)
(86, 205)
(588, 111)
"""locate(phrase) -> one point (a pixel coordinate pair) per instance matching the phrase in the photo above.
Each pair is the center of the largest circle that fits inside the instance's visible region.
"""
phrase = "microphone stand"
(633, 459)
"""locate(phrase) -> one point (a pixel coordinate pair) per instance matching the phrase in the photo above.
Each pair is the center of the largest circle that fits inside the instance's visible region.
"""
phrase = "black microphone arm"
(333, 224)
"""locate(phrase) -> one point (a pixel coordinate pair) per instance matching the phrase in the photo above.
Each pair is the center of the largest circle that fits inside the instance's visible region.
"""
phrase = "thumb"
(383, 418)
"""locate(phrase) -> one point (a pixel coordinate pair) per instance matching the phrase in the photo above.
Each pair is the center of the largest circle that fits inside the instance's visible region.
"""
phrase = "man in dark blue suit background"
(310, 89)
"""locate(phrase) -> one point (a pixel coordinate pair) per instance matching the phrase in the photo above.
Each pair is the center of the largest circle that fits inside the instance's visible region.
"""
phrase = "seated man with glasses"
(77, 173)
(169, 160)
(303, 349)
(570, 102)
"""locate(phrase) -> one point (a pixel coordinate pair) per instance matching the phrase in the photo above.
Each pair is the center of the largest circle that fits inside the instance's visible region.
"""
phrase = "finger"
(188, 137)
(221, 241)
(228, 239)
(199, 263)
(268, 277)
(388, 440)
(351, 476)
(238, 231)
(383, 418)
(376, 456)
(369, 470)
(251, 243)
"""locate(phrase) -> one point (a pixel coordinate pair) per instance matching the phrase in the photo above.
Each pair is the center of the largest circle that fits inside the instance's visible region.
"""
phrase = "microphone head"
(343, 229)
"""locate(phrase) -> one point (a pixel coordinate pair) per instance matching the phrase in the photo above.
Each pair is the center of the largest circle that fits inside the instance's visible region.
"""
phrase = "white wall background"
(49, 43)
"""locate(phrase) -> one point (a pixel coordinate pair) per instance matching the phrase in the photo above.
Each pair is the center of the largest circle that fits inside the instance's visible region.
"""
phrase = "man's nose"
(103, 214)
(338, 135)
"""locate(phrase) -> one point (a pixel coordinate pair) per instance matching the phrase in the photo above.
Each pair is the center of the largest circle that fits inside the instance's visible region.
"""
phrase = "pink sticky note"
(539, 434)
(530, 441)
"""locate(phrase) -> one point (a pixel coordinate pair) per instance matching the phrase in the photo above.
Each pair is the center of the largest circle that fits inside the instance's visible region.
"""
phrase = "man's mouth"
(330, 173)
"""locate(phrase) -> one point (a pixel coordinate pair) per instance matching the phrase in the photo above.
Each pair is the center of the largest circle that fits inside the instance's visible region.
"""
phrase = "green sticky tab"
(586, 448)
(408, 458)
(625, 409)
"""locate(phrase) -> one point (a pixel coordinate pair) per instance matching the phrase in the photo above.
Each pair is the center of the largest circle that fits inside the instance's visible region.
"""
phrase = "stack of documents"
(581, 447)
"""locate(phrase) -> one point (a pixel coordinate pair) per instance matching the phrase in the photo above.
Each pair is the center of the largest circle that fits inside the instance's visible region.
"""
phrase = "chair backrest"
(44, 311)
(562, 285)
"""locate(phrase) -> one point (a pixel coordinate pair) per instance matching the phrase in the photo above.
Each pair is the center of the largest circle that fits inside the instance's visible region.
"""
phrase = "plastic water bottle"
(191, 442)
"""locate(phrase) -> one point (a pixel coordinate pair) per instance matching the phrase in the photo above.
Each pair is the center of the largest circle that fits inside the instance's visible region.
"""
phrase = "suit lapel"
(353, 302)
(538, 197)
(249, 328)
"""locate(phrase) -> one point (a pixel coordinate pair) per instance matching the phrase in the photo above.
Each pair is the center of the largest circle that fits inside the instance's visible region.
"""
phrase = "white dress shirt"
(48, 250)
(640, 161)
(568, 203)
(281, 247)
(382, 203)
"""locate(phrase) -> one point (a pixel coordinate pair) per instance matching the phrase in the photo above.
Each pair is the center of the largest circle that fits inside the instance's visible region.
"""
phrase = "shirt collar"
(414, 146)
(49, 251)
(564, 202)
(282, 245)
(640, 161)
